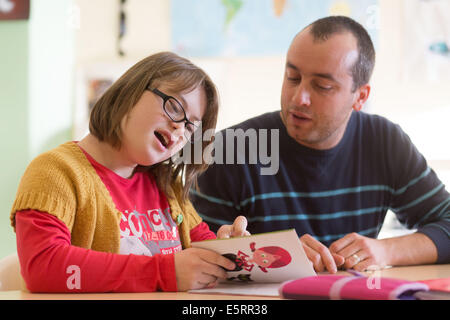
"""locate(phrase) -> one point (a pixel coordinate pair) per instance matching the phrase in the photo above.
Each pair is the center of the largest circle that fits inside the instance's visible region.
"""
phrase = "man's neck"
(326, 144)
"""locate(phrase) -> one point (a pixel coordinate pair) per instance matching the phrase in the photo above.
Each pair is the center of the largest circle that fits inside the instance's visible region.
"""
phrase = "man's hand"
(197, 268)
(237, 229)
(320, 256)
(360, 252)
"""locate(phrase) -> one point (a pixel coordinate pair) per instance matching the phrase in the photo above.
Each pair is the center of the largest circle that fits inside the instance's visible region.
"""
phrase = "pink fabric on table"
(350, 287)
(442, 284)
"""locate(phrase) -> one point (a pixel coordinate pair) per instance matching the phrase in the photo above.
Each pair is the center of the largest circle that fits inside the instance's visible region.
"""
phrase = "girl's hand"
(237, 229)
(197, 268)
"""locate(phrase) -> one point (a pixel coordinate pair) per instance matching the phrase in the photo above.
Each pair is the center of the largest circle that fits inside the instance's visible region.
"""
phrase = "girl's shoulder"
(58, 182)
(67, 158)
(66, 152)
(63, 172)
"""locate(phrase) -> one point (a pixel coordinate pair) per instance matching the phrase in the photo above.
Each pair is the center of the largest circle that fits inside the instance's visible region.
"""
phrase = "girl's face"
(264, 259)
(149, 136)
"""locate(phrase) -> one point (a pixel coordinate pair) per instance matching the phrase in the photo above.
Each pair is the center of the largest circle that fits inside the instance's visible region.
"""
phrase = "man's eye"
(294, 79)
(323, 88)
(292, 76)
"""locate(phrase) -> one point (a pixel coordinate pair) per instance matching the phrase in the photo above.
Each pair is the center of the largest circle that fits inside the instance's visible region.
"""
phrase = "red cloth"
(46, 256)
(50, 263)
(146, 218)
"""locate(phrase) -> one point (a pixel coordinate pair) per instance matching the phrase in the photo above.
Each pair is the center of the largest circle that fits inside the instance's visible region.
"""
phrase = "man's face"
(317, 97)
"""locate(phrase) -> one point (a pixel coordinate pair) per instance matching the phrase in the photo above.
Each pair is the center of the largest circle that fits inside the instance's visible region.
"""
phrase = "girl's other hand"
(237, 229)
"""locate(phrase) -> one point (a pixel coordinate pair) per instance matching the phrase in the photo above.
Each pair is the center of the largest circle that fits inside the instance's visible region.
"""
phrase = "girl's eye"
(265, 261)
(263, 255)
(190, 127)
(174, 107)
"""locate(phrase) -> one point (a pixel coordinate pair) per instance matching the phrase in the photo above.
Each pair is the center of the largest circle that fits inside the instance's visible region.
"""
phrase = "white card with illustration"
(272, 257)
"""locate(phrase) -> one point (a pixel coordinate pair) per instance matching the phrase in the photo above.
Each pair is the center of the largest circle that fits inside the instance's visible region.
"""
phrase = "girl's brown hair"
(180, 75)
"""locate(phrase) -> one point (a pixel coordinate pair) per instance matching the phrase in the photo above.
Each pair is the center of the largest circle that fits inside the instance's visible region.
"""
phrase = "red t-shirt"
(148, 239)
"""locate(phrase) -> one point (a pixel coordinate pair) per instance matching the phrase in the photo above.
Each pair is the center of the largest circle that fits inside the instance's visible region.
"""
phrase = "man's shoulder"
(373, 118)
(375, 123)
(380, 133)
(268, 120)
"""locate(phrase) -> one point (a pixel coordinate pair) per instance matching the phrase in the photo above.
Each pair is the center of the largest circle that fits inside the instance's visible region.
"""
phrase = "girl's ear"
(362, 96)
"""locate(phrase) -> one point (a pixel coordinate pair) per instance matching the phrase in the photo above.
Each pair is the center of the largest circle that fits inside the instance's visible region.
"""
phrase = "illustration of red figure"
(265, 257)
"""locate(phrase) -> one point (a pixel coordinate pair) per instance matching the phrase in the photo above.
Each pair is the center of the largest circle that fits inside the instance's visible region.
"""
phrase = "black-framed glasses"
(175, 111)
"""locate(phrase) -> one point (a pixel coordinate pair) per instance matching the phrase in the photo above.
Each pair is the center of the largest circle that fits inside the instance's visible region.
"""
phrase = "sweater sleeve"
(420, 199)
(202, 232)
(49, 263)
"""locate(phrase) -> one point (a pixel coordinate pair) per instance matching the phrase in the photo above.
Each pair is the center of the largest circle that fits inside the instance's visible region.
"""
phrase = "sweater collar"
(289, 143)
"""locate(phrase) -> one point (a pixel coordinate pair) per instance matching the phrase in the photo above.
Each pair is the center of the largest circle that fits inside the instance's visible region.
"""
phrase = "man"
(340, 169)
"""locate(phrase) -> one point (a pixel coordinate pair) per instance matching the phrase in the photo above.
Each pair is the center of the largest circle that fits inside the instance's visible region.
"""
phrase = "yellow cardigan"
(63, 183)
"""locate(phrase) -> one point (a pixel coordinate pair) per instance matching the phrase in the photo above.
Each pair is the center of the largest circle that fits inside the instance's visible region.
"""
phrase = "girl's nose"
(178, 129)
(177, 125)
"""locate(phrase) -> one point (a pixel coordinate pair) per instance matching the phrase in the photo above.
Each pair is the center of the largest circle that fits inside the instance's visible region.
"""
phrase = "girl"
(110, 213)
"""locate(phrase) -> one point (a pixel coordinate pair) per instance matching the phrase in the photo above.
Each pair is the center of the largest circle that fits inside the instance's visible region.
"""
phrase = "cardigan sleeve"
(49, 263)
(46, 186)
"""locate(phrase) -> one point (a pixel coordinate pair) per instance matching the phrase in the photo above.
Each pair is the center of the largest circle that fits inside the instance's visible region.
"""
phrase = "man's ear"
(362, 94)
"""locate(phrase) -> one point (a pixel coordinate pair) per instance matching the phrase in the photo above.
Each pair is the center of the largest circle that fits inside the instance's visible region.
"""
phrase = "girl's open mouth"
(163, 138)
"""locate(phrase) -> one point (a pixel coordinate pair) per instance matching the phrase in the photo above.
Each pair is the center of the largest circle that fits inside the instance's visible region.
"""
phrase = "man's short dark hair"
(362, 70)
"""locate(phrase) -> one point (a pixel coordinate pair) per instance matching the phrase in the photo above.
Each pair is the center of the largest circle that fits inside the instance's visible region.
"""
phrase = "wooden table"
(412, 273)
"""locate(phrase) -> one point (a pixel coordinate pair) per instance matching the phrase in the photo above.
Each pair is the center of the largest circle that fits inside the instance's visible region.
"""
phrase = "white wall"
(51, 70)
(247, 86)
(148, 30)
(420, 107)
(35, 96)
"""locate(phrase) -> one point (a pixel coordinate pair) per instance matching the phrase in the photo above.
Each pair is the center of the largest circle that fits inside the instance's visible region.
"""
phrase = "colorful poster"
(211, 28)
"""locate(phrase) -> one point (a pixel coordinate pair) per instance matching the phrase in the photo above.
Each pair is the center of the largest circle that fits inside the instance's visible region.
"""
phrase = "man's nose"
(302, 96)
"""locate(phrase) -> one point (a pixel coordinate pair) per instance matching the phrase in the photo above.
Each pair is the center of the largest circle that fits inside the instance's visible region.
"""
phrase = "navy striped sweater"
(330, 193)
